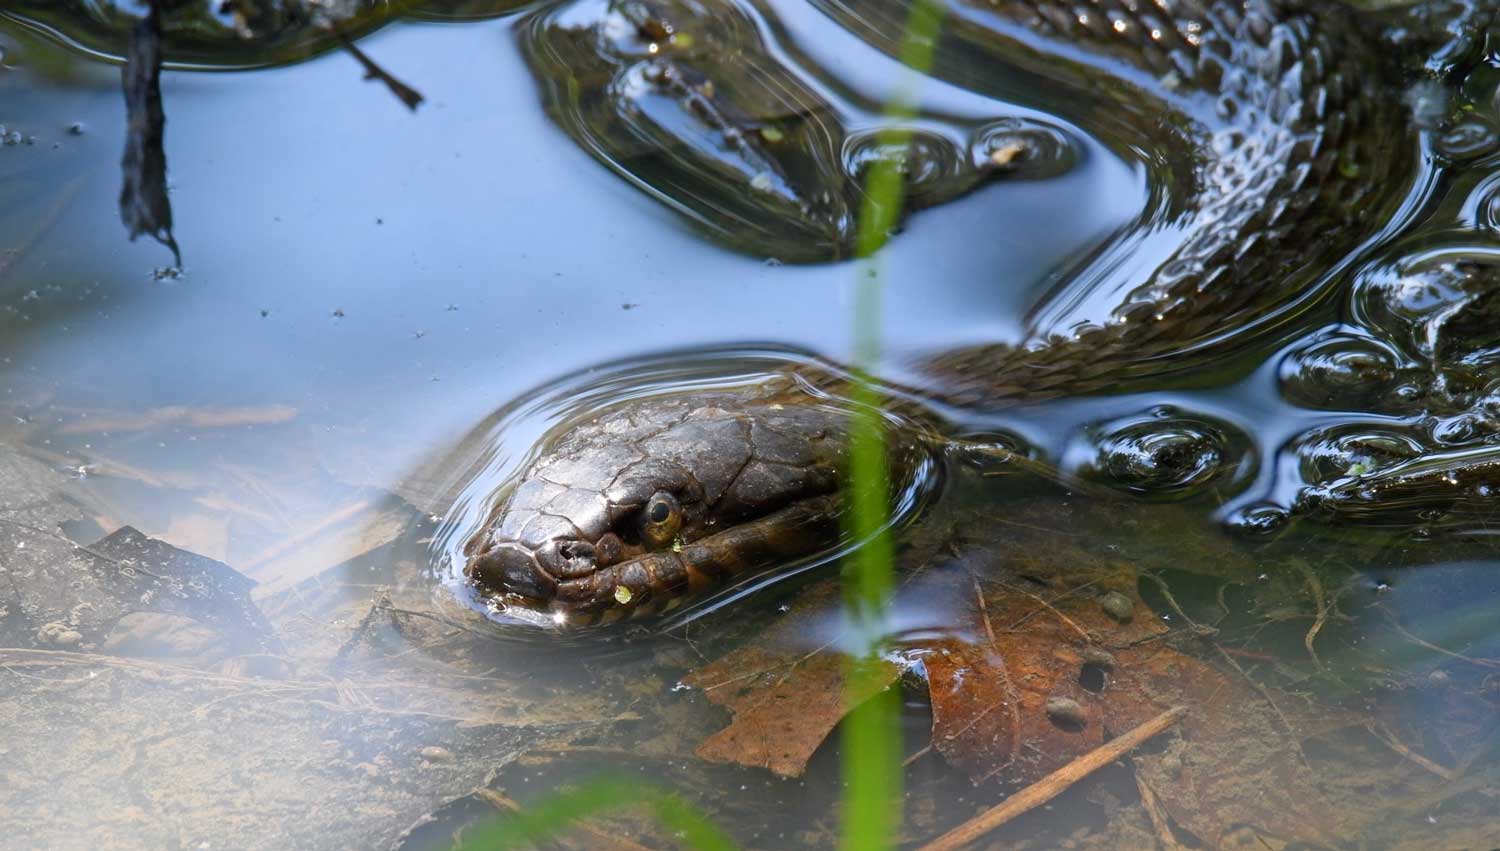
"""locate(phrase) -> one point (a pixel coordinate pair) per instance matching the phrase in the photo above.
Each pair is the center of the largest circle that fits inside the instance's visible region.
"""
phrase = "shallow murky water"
(379, 314)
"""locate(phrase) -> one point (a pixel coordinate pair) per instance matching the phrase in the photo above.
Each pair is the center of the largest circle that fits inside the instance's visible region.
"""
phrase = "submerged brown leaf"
(1052, 665)
(1047, 654)
(786, 696)
(1020, 689)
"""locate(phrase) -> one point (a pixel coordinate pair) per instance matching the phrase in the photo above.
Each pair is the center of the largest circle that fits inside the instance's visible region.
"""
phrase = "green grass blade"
(872, 732)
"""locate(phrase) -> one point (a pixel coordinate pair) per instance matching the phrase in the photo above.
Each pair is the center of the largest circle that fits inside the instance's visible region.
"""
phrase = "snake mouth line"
(658, 582)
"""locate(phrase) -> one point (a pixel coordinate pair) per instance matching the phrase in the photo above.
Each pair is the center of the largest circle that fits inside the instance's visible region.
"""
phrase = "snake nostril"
(567, 559)
(510, 569)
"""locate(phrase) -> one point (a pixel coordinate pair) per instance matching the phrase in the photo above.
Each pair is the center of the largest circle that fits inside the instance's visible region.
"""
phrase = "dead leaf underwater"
(786, 697)
(1037, 670)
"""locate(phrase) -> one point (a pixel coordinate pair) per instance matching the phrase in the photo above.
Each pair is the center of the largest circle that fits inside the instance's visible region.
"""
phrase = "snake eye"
(661, 520)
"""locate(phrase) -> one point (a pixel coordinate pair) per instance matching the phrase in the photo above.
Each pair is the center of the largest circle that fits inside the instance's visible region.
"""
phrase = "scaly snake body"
(1287, 131)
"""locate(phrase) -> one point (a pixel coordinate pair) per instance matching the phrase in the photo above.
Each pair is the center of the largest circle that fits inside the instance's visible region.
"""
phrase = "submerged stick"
(1158, 818)
(1054, 784)
(1388, 738)
(600, 839)
(144, 205)
(406, 94)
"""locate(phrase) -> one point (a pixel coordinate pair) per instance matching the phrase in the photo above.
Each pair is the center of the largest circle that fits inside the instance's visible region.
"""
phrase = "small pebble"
(1117, 606)
(59, 634)
(1098, 657)
(76, 128)
(1065, 711)
(433, 753)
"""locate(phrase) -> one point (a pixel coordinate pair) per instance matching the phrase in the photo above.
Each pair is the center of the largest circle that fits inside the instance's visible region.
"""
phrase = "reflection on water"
(332, 392)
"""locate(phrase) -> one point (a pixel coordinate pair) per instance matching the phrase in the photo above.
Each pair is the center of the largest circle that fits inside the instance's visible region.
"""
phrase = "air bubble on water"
(1468, 139)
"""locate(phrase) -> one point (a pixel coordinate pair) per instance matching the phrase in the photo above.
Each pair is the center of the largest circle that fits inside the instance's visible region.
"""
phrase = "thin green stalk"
(872, 732)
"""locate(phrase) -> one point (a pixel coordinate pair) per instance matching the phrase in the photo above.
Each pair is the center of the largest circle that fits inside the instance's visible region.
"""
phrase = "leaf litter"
(1036, 649)
(1044, 650)
(236, 715)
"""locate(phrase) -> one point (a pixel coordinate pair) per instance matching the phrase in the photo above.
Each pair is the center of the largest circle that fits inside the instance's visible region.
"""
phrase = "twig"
(909, 761)
(1048, 607)
(1002, 671)
(984, 612)
(42, 226)
(1265, 694)
(280, 548)
(597, 837)
(1388, 738)
(406, 94)
(1316, 587)
(1487, 743)
(1422, 642)
(1158, 818)
(1198, 629)
(1054, 784)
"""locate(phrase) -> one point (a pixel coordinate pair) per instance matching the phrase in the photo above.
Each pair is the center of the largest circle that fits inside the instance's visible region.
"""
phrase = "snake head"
(647, 503)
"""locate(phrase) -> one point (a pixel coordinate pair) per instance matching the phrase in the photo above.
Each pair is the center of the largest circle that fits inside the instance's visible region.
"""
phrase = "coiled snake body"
(1286, 133)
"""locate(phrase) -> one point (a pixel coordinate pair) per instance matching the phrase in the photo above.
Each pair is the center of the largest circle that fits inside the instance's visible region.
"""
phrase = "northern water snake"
(1290, 141)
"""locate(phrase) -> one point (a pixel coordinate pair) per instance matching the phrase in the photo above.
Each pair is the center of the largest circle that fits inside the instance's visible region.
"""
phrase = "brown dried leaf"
(990, 693)
(1237, 759)
(786, 696)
